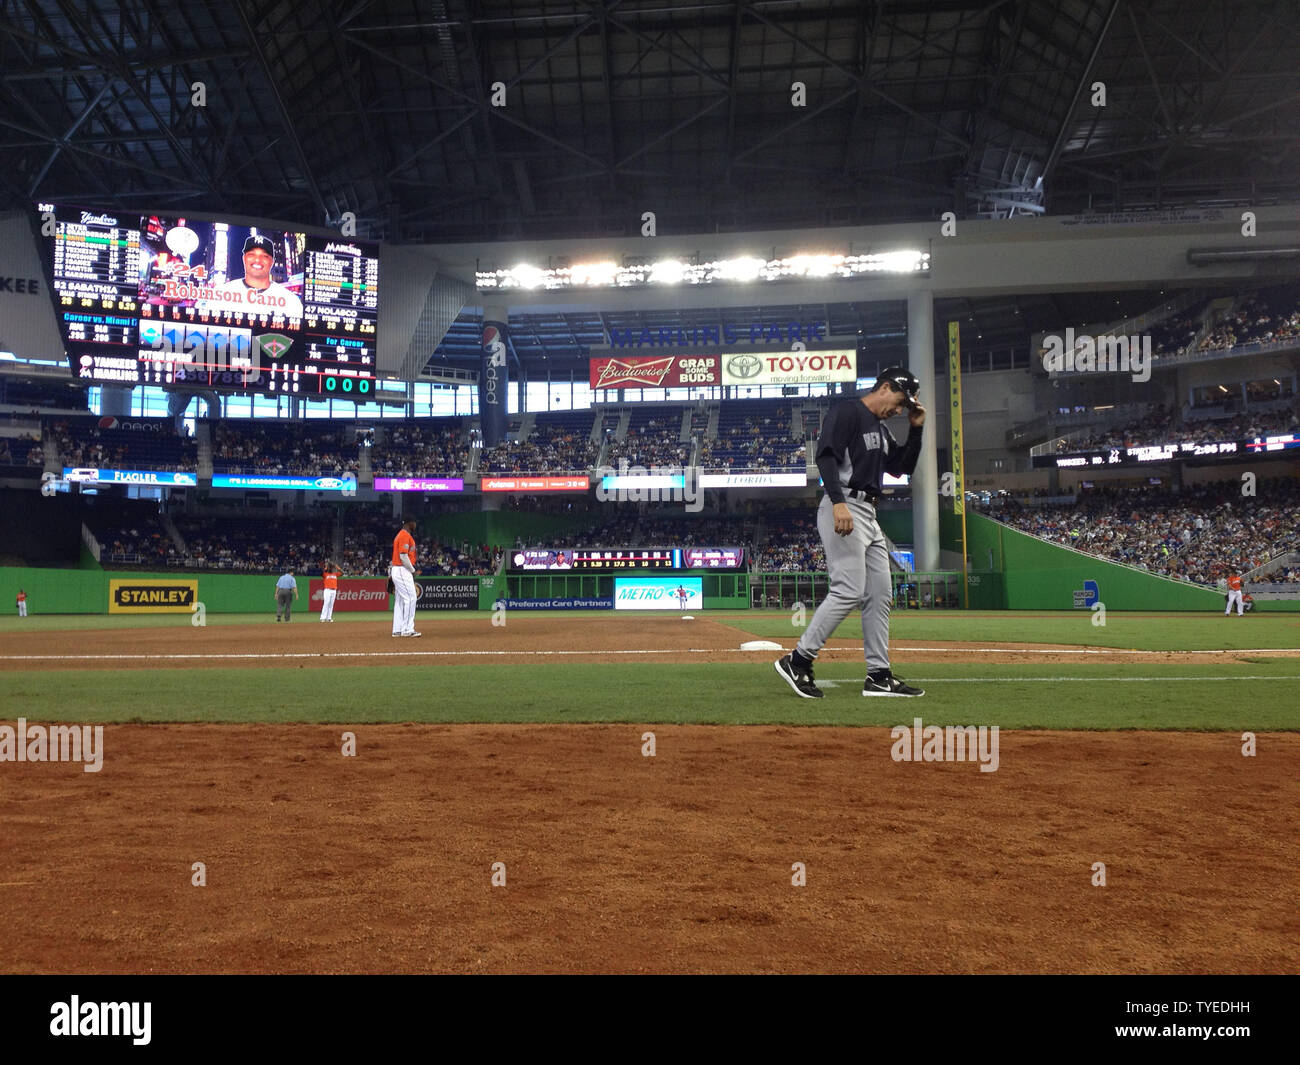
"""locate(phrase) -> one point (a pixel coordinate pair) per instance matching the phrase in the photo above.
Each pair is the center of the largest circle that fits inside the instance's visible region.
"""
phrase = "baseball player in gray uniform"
(854, 450)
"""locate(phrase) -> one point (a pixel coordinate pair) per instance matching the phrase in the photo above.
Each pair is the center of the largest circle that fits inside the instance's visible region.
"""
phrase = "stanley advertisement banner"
(152, 597)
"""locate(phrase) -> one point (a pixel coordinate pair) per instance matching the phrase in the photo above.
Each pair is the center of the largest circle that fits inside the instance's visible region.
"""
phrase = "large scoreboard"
(622, 559)
(163, 300)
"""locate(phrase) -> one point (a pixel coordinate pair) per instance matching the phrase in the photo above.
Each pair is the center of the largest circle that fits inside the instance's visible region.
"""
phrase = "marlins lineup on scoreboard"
(175, 301)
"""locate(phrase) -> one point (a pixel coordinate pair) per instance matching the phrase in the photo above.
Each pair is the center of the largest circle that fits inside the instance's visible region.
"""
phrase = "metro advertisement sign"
(644, 371)
(355, 593)
(658, 593)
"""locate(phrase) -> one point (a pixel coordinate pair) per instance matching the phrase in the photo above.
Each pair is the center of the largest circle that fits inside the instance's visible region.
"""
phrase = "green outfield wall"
(1037, 575)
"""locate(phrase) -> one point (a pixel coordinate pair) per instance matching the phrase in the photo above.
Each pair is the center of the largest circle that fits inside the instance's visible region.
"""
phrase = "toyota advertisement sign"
(794, 367)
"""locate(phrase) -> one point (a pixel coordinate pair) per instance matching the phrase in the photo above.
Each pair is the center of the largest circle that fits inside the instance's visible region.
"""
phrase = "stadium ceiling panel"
(458, 120)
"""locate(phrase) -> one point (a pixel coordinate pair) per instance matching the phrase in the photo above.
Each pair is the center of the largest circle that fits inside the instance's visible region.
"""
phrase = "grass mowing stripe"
(1121, 631)
(1016, 696)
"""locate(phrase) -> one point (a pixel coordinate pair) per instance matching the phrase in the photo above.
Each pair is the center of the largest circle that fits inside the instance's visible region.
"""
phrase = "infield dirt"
(618, 862)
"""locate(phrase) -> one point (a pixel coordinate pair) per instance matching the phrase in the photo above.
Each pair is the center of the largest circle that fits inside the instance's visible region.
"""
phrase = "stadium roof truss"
(449, 120)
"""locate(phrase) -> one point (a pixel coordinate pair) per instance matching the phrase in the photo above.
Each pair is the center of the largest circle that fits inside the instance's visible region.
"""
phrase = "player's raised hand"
(843, 518)
(916, 415)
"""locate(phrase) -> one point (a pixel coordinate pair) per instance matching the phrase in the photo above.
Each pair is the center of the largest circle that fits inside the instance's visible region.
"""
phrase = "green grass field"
(1240, 693)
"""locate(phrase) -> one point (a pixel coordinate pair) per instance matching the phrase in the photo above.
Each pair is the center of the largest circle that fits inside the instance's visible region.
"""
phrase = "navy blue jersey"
(856, 449)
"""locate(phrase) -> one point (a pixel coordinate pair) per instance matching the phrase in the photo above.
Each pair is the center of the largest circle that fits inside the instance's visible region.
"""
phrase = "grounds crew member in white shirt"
(286, 591)
(255, 292)
(403, 581)
(854, 451)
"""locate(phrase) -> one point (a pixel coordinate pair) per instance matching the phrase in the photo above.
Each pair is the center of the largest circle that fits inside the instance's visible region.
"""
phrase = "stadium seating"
(266, 447)
(652, 440)
(560, 443)
(754, 435)
(421, 448)
(131, 443)
(1201, 534)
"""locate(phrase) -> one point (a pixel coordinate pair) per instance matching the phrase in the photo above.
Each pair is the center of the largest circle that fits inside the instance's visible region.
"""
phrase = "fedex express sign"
(744, 368)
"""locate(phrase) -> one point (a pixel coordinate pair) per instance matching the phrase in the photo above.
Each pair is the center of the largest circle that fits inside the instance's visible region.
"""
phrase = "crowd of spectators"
(651, 442)
(555, 446)
(421, 449)
(131, 535)
(100, 443)
(1259, 319)
(272, 448)
(753, 439)
(1158, 428)
(1201, 534)
(1174, 336)
(367, 549)
(793, 545)
(253, 544)
(22, 450)
(1285, 575)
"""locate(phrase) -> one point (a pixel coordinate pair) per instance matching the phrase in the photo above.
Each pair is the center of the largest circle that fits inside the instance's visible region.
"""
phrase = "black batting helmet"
(902, 380)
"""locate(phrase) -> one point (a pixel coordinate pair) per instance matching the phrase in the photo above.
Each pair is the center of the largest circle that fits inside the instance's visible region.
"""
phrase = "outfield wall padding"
(1038, 575)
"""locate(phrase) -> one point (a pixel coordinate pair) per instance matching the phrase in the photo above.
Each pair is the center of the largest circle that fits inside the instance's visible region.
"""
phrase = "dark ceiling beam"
(137, 61)
(668, 134)
(86, 112)
(1062, 132)
(733, 75)
(1171, 127)
(865, 83)
(930, 41)
(657, 44)
(286, 121)
(808, 117)
(591, 21)
(127, 76)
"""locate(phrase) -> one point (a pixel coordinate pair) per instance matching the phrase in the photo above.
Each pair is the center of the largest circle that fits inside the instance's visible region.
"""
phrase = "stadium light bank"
(667, 272)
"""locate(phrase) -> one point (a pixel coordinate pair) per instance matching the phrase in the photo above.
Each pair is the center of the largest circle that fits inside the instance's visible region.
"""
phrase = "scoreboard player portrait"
(216, 272)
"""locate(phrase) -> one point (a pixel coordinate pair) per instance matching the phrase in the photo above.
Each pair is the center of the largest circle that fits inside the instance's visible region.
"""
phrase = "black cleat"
(802, 683)
(885, 683)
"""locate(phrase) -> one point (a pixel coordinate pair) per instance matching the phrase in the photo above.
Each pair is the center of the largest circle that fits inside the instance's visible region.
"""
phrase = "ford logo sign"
(328, 482)
(745, 365)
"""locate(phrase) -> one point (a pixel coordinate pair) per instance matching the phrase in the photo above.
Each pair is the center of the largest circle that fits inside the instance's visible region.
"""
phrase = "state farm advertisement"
(357, 593)
(643, 371)
(790, 368)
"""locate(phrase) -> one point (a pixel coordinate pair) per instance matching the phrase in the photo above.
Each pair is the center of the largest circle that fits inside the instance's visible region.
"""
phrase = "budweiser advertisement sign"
(644, 371)
(355, 593)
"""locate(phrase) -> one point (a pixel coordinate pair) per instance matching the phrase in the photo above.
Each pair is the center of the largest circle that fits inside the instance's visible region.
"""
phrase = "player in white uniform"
(22, 603)
(1234, 596)
(255, 292)
(330, 573)
(403, 577)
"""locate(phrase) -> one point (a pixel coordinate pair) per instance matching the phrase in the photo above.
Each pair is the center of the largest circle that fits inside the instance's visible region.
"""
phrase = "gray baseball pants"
(858, 567)
(284, 602)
